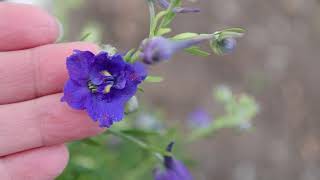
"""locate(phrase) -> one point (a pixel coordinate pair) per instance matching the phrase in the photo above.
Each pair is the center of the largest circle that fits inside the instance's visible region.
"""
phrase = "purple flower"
(158, 49)
(165, 4)
(174, 169)
(199, 118)
(101, 84)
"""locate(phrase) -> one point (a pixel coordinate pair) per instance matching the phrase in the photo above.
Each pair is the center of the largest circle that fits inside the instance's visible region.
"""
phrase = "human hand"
(33, 123)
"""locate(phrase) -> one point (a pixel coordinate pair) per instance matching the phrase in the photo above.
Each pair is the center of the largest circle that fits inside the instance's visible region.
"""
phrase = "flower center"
(92, 87)
(108, 81)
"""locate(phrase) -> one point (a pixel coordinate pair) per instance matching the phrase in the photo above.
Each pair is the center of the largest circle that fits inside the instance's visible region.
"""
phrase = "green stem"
(152, 16)
(164, 22)
(128, 138)
(139, 143)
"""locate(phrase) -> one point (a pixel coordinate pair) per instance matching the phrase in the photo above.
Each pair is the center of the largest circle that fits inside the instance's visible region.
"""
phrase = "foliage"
(109, 157)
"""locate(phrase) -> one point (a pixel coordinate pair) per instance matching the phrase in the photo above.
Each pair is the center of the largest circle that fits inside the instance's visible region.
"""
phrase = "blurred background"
(277, 62)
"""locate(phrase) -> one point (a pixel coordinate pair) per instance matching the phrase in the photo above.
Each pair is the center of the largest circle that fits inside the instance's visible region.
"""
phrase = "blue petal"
(139, 72)
(75, 95)
(135, 74)
(124, 94)
(113, 65)
(120, 82)
(106, 112)
(166, 175)
(180, 170)
(78, 65)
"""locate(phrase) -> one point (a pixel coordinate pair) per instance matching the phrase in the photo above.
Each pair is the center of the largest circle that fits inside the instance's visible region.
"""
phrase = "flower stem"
(152, 16)
(139, 143)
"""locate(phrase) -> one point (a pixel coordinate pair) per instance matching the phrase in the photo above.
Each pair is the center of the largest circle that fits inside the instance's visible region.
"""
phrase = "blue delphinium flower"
(165, 4)
(101, 84)
(199, 118)
(158, 49)
(174, 169)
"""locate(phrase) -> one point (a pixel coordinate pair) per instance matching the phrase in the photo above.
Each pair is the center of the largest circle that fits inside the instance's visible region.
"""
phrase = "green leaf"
(174, 4)
(170, 15)
(222, 94)
(230, 32)
(155, 23)
(215, 47)
(184, 36)
(168, 19)
(154, 79)
(128, 55)
(152, 15)
(109, 49)
(236, 30)
(160, 15)
(140, 89)
(135, 57)
(85, 36)
(196, 51)
(163, 31)
(91, 32)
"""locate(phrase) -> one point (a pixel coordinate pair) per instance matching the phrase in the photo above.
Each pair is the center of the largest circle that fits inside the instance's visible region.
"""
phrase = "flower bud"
(199, 118)
(158, 49)
(174, 169)
(165, 4)
(227, 45)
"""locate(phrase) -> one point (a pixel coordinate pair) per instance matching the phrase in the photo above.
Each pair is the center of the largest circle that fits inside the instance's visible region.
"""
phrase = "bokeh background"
(277, 62)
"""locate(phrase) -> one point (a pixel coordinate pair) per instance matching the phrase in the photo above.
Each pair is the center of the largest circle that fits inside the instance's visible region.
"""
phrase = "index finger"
(25, 26)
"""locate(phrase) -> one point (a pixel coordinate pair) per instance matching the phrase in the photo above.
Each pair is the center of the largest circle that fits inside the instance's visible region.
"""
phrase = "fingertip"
(58, 160)
(40, 163)
(25, 26)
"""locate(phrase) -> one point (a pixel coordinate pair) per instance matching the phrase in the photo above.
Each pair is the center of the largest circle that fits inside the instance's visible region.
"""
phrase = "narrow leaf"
(163, 31)
(154, 79)
(85, 36)
(196, 51)
(128, 55)
(230, 33)
(184, 36)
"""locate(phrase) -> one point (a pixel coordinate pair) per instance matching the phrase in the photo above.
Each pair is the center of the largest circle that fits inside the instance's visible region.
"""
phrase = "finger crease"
(36, 72)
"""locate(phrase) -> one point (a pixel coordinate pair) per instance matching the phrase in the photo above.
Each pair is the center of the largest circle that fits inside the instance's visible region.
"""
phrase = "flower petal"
(125, 94)
(105, 112)
(114, 64)
(75, 95)
(135, 74)
(166, 175)
(180, 170)
(78, 65)
(139, 72)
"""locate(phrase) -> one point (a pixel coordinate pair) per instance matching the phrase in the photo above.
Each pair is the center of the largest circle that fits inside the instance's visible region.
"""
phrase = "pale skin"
(34, 124)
